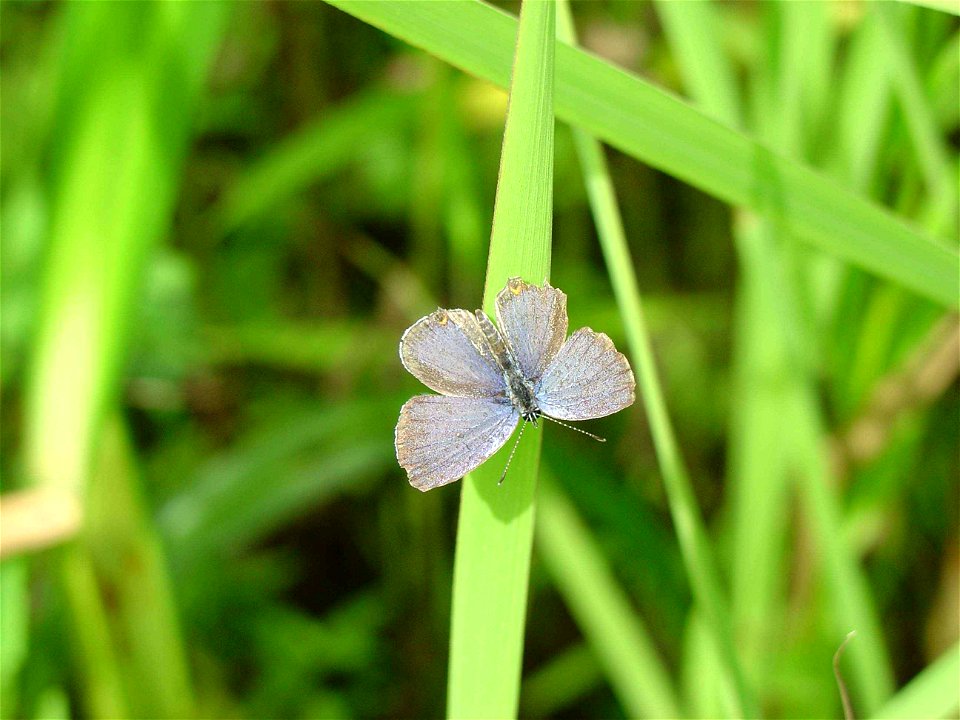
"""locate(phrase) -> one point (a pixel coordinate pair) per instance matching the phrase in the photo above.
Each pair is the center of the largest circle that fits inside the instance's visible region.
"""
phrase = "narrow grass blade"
(651, 125)
(495, 530)
(757, 466)
(129, 559)
(15, 629)
(932, 154)
(863, 105)
(931, 694)
(757, 470)
(617, 635)
(692, 29)
(567, 676)
(851, 601)
(701, 675)
(701, 568)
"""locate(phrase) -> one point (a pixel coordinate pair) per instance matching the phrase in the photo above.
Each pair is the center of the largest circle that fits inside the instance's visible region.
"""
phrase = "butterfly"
(490, 377)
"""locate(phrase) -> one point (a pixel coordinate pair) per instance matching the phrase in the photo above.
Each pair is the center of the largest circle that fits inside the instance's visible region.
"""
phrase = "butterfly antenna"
(573, 427)
(510, 459)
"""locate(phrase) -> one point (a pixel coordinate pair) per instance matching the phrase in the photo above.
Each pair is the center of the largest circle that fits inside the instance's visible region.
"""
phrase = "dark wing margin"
(533, 321)
(587, 379)
(448, 352)
(440, 439)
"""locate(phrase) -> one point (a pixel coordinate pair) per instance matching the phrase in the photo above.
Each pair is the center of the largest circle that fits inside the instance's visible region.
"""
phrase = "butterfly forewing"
(440, 439)
(587, 379)
(447, 352)
(533, 320)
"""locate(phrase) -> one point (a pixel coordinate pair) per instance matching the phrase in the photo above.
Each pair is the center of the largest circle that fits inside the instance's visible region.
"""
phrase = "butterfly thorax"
(519, 390)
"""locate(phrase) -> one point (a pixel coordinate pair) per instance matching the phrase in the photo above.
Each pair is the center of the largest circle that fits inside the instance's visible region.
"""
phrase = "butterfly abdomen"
(519, 390)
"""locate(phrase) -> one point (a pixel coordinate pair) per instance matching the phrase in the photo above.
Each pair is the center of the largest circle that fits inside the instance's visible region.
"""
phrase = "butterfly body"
(490, 377)
(519, 389)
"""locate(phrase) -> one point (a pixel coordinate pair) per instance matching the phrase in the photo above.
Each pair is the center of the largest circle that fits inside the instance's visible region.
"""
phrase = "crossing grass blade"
(947, 6)
(495, 530)
(657, 128)
(931, 694)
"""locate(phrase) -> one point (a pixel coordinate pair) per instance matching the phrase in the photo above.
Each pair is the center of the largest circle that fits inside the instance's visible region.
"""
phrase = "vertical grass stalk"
(495, 529)
(694, 544)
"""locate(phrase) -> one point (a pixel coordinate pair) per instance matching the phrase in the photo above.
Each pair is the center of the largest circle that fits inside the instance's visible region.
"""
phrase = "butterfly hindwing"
(587, 379)
(440, 439)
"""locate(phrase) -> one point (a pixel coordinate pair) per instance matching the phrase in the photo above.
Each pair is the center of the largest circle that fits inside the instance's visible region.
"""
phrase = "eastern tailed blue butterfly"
(490, 377)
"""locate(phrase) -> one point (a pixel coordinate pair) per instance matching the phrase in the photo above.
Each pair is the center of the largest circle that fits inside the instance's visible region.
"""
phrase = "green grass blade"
(15, 629)
(758, 474)
(765, 438)
(694, 543)
(862, 107)
(616, 633)
(566, 677)
(692, 29)
(851, 601)
(129, 558)
(931, 694)
(495, 530)
(947, 6)
(932, 155)
(651, 125)
(757, 470)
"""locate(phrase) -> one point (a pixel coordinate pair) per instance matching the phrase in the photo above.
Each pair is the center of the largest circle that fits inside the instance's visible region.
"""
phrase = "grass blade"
(947, 6)
(617, 635)
(932, 155)
(567, 677)
(694, 544)
(652, 126)
(495, 530)
(931, 694)
(691, 29)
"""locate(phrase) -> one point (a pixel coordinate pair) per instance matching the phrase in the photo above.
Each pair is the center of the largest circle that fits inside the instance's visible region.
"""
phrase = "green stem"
(495, 530)
(694, 542)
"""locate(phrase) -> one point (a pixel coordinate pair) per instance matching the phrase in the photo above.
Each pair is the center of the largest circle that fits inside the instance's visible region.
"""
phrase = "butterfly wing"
(448, 352)
(533, 320)
(440, 439)
(587, 379)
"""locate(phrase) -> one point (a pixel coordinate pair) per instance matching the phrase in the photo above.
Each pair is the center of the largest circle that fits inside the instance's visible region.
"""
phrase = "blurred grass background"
(216, 221)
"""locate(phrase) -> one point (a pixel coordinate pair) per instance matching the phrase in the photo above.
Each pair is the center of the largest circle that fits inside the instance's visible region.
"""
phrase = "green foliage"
(217, 219)
(495, 528)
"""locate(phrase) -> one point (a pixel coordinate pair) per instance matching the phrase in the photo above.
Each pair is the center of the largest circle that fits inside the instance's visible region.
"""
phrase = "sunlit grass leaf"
(495, 530)
(655, 127)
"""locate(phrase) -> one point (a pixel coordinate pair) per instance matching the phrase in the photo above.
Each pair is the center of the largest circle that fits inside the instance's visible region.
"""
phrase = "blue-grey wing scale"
(587, 379)
(533, 321)
(440, 439)
(448, 352)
